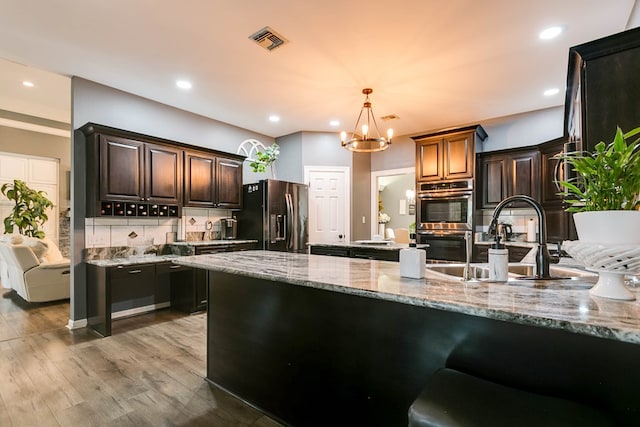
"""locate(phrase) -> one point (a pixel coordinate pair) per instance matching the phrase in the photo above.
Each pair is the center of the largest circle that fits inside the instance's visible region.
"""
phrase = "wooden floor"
(150, 372)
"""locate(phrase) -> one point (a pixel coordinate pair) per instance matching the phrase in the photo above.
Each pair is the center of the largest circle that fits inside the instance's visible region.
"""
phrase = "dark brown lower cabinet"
(364, 253)
(189, 286)
(122, 288)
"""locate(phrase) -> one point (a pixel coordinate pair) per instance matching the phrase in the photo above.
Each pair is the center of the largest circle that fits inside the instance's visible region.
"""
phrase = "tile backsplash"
(518, 218)
(111, 232)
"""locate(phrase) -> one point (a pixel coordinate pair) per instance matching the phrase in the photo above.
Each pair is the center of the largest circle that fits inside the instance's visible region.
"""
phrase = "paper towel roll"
(531, 230)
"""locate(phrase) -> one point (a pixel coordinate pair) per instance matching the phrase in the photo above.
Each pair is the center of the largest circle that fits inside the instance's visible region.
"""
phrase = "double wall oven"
(444, 213)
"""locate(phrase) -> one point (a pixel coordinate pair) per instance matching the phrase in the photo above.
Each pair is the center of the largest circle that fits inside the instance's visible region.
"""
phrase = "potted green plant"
(607, 183)
(29, 211)
(605, 197)
(266, 158)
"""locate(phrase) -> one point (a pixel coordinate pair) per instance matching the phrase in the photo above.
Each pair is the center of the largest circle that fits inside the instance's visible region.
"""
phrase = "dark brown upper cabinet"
(200, 178)
(153, 177)
(212, 181)
(132, 170)
(603, 88)
(229, 183)
(447, 155)
(507, 173)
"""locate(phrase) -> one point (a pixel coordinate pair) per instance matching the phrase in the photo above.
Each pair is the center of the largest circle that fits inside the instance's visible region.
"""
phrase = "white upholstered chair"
(34, 268)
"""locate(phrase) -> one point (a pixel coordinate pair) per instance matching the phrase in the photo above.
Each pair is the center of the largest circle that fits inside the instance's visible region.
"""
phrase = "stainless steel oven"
(444, 213)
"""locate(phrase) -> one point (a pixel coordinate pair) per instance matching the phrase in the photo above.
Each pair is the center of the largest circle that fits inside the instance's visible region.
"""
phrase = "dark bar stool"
(453, 398)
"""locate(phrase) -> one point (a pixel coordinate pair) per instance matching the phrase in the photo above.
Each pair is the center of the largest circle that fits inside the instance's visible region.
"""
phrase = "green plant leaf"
(608, 178)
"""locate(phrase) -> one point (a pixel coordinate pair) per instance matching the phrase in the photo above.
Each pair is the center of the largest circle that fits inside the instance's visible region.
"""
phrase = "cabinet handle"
(135, 271)
(175, 266)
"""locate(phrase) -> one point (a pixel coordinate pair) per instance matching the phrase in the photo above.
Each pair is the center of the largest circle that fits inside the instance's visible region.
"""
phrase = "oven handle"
(445, 195)
(460, 233)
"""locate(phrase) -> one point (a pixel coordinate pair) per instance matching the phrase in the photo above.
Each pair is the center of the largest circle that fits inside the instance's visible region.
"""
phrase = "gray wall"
(93, 102)
(519, 130)
(360, 196)
(289, 166)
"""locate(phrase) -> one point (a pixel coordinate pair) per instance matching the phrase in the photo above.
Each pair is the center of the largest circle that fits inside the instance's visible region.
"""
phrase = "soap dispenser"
(412, 261)
(498, 261)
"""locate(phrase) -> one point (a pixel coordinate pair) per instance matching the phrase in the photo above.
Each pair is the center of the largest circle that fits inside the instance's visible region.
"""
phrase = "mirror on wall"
(393, 194)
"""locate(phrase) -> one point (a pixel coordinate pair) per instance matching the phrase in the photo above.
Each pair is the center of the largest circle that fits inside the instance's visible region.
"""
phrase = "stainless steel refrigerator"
(276, 214)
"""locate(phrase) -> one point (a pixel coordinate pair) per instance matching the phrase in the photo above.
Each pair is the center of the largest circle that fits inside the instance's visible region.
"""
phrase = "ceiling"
(433, 64)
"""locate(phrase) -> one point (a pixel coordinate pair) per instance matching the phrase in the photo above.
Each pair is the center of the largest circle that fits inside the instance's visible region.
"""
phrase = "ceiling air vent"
(268, 39)
(390, 117)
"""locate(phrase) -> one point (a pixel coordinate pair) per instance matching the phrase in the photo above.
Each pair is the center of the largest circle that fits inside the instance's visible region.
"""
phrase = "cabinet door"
(229, 183)
(494, 180)
(458, 156)
(199, 179)
(551, 170)
(429, 160)
(524, 173)
(163, 174)
(121, 163)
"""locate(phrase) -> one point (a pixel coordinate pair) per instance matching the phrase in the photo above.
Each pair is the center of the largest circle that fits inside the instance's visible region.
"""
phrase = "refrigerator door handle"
(277, 228)
(289, 235)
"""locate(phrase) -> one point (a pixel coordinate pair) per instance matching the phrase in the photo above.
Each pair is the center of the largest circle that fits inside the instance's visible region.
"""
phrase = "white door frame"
(374, 192)
(347, 191)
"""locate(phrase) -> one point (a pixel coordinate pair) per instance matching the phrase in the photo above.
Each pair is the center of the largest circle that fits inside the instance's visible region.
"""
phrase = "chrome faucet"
(542, 255)
(466, 275)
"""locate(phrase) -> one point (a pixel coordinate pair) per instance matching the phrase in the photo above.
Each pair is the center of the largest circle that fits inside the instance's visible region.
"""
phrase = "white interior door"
(329, 204)
(38, 173)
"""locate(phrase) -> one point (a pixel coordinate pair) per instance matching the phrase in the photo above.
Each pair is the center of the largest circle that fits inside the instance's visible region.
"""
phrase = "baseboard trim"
(76, 324)
(139, 310)
(82, 323)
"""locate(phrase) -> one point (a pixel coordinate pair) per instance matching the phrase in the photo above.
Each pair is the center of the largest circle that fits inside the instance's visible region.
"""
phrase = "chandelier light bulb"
(365, 131)
(389, 134)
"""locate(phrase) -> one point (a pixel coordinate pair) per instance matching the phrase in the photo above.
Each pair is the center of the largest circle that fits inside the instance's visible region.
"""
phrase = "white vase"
(381, 228)
(608, 227)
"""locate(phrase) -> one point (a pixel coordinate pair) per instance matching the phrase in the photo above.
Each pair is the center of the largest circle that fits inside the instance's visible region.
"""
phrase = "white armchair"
(34, 269)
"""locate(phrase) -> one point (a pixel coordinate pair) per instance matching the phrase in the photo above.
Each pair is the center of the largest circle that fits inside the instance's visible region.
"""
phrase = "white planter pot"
(381, 228)
(608, 227)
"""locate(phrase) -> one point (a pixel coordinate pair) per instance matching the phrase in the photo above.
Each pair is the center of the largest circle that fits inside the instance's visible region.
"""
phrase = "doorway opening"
(393, 194)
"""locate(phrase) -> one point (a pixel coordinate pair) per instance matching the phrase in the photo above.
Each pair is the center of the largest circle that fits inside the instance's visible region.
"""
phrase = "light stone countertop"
(132, 260)
(564, 304)
(388, 246)
(212, 242)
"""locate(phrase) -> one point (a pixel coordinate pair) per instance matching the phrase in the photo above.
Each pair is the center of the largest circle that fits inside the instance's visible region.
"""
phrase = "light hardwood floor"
(150, 372)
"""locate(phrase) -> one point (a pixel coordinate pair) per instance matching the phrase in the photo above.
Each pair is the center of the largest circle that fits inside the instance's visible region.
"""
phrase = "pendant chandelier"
(369, 140)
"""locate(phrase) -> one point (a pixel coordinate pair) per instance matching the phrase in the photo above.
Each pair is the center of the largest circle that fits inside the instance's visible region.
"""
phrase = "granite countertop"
(212, 242)
(132, 260)
(385, 245)
(564, 304)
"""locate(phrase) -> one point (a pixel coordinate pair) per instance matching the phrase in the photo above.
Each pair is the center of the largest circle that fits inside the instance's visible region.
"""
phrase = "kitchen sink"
(517, 272)
(478, 271)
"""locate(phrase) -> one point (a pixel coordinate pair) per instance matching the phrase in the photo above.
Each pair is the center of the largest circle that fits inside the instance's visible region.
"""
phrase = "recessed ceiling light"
(550, 33)
(27, 83)
(273, 118)
(184, 84)
(551, 92)
(334, 123)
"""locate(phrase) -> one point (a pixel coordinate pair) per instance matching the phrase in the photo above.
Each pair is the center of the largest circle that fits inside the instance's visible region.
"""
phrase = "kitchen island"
(315, 340)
